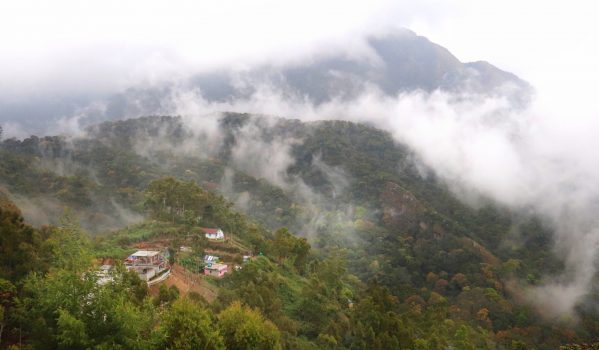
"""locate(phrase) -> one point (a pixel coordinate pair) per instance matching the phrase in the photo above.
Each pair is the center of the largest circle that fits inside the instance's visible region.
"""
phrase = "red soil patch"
(188, 282)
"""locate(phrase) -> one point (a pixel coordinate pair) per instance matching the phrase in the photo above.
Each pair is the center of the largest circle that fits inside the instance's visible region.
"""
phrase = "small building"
(147, 263)
(210, 259)
(216, 270)
(213, 233)
(104, 274)
(185, 249)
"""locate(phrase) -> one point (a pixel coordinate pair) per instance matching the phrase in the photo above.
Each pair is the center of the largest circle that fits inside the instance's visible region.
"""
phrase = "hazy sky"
(99, 46)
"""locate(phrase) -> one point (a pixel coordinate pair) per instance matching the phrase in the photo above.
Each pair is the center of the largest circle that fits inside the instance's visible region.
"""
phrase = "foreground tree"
(186, 325)
(20, 244)
(7, 294)
(245, 328)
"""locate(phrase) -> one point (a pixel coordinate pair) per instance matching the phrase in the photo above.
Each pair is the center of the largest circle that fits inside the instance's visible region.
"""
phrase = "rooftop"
(210, 230)
(216, 267)
(141, 253)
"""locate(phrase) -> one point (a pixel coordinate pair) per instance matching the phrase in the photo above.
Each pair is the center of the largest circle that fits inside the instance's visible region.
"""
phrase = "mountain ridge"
(403, 62)
(349, 188)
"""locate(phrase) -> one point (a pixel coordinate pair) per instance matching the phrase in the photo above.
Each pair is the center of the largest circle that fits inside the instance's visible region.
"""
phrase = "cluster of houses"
(152, 265)
(212, 266)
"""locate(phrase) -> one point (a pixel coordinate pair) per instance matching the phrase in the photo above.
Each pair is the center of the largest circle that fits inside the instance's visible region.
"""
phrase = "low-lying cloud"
(530, 159)
(527, 159)
(539, 159)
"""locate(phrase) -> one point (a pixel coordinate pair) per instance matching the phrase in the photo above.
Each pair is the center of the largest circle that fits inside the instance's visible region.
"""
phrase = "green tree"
(170, 199)
(70, 309)
(186, 325)
(7, 293)
(462, 339)
(69, 245)
(375, 323)
(245, 328)
(71, 332)
(288, 246)
(166, 295)
(20, 245)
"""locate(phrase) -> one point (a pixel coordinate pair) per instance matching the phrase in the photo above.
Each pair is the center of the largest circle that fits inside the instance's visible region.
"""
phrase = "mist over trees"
(392, 261)
(298, 175)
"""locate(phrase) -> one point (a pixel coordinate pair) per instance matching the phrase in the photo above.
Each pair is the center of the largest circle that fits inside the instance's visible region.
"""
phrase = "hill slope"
(349, 188)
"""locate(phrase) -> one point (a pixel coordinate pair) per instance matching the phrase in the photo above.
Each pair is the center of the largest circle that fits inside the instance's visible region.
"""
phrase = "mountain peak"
(403, 62)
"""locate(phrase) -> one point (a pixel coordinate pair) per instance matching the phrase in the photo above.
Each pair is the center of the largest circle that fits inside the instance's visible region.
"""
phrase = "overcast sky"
(102, 46)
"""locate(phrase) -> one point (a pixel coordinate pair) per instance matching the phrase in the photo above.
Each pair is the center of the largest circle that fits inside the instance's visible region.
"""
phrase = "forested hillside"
(357, 244)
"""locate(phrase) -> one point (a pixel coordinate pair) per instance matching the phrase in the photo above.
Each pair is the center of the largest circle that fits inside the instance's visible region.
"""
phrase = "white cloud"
(526, 159)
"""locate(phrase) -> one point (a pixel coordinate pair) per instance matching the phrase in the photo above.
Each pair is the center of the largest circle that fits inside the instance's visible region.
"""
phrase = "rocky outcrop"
(401, 209)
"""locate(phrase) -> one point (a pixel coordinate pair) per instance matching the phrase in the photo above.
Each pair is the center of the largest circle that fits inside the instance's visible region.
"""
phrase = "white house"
(213, 233)
(147, 263)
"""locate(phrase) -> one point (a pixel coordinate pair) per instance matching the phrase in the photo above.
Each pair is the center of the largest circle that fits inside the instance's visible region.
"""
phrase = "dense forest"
(356, 245)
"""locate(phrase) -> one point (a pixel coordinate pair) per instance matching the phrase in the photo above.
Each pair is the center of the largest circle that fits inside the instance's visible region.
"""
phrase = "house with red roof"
(213, 233)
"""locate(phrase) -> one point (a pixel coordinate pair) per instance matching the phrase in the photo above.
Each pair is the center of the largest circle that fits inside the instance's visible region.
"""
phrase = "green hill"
(396, 260)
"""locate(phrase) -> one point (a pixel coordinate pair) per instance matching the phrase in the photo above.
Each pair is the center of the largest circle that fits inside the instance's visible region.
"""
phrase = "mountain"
(348, 188)
(394, 63)
(402, 61)
(397, 62)
(356, 243)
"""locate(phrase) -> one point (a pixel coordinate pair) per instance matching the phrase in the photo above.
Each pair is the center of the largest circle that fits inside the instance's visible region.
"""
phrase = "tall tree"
(245, 329)
(187, 326)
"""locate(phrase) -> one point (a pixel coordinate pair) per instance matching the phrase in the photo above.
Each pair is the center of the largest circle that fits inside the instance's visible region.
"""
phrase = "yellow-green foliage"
(244, 328)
